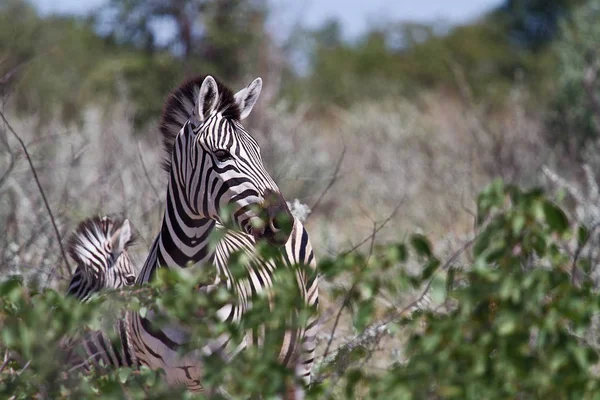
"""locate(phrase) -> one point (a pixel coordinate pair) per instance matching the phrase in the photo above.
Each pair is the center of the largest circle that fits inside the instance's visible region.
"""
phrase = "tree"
(574, 118)
(532, 24)
(221, 36)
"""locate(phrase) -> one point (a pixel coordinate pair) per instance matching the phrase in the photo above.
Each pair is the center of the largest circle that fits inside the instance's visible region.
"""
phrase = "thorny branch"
(42, 193)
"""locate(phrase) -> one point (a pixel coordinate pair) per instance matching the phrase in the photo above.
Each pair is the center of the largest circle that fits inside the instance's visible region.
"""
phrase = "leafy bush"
(509, 322)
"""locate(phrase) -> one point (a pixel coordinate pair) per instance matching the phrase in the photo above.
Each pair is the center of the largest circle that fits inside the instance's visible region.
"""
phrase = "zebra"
(99, 247)
(217, 179)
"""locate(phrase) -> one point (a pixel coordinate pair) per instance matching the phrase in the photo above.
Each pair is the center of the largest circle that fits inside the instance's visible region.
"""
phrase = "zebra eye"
(130, 280)
(223, 155)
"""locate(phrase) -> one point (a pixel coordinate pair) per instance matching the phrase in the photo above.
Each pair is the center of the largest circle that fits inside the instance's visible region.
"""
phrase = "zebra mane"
(180, 107)
(90, 235)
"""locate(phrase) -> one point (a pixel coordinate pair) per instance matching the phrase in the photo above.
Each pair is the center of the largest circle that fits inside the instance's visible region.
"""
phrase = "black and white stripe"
(99, 247)
(217, 179)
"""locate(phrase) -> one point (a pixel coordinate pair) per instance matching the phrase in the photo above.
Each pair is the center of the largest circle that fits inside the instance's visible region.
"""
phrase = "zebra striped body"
(157, 349)
(216, 178)
(99, 247)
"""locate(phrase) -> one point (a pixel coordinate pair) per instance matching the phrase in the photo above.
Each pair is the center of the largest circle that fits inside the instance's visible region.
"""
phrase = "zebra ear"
(247, 97)
(121, 237)
(207, 98)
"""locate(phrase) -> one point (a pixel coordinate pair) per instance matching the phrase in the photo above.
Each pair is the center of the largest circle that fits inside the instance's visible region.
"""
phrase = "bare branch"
(12, 164)
(589, 83)
(349, 293)
(39, 185)
(331, 182)
(379, 228)
(371, 237)
(6, 360)
(575, 273)
(146, 173)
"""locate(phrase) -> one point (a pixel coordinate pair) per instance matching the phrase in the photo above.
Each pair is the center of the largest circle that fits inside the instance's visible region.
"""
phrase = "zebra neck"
(183, 240)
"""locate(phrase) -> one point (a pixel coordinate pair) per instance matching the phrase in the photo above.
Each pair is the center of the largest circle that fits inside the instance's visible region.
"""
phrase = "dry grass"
(432, 157)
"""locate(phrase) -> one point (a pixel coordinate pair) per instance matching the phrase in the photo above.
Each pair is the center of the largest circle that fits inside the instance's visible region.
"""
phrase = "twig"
(39, 185)
(444, 267)
(6, 77)
(380, 227)
(24, 368)
(6, 360)
(331, 182)
(11, 166)
(349, 293)
(146, 173)
(589, 83)
(579, 250)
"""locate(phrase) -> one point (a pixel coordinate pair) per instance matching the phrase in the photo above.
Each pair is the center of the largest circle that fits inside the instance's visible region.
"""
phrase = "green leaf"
(438, 289)
(555, 217)
(124, 374)
(450, 279)
(397, 253)
(430, 269)
(582, 235)
(421, 245)
(364, 314)
(518, 223)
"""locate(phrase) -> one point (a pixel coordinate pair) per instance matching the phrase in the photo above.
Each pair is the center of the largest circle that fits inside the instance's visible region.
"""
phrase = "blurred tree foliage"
(221, 36)
(575, 110)
(405, 58)
(511, 44)
(533, 24)
(58, 65)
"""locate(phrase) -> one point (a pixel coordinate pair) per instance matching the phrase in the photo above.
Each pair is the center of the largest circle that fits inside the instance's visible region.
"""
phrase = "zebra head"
(99, 247)
(216, 163)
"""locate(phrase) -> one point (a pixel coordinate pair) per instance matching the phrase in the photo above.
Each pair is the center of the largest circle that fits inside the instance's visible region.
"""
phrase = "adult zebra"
(99, 248)
(215, 168)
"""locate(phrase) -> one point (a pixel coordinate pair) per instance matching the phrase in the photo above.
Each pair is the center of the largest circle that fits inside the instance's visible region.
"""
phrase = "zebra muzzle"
(277, 219)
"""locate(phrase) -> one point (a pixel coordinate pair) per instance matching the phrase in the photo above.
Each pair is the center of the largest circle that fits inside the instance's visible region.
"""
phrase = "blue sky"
(355, 15)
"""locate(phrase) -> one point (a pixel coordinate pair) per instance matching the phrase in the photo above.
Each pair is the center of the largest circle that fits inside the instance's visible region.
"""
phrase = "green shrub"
(514, 324)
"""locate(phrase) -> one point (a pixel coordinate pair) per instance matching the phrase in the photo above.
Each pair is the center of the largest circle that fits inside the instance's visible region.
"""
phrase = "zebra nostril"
(130, 279)
(273, 226)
